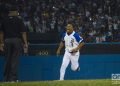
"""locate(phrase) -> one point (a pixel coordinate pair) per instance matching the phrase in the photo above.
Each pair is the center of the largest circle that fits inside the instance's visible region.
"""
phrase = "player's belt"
(73, 52)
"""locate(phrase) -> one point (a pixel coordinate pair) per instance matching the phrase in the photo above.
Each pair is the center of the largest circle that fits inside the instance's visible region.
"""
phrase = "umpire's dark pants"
(13, 48)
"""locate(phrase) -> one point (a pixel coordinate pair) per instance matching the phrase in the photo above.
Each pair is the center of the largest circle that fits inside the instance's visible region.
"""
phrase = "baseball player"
(73, 43)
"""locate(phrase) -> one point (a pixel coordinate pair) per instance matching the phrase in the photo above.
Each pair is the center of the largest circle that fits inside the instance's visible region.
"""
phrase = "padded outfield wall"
(96, 61)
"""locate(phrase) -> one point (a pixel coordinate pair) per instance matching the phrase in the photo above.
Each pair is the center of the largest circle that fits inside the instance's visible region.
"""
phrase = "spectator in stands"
(45, 16)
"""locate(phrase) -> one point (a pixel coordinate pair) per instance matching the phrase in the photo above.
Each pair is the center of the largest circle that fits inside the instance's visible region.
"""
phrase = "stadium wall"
(35, 68)
(89, 48)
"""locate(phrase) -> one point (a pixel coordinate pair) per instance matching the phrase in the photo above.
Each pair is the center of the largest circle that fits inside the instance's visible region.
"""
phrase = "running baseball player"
(73, 43)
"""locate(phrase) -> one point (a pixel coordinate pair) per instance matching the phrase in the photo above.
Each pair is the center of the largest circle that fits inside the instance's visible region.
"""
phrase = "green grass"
(99, 82)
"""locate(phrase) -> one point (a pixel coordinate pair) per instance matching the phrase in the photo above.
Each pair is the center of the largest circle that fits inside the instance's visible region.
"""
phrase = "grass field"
(99, 82)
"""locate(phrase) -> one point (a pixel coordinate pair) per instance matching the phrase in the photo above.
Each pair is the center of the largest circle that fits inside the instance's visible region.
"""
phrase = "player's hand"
(25, 48)
(2, 47)
(58, 52)
(74, 50)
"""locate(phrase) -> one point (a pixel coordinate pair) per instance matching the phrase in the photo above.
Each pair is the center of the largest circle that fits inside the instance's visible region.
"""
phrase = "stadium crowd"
(96, 21)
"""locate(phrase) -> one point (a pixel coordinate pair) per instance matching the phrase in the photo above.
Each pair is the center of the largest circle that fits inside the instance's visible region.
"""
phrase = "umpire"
(12, 39)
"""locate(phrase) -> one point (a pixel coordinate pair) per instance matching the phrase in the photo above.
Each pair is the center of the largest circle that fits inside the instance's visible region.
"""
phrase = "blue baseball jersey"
(72, 40)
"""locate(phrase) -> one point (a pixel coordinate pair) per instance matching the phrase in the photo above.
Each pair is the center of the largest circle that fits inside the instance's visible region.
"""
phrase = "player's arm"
(78, 47)
(1, 41)
(24, 36)
(80, 41)
(1, 37)
(61, 45)
(23, 31)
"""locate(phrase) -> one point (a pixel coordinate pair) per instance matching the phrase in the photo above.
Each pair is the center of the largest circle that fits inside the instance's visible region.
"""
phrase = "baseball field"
(97, 82)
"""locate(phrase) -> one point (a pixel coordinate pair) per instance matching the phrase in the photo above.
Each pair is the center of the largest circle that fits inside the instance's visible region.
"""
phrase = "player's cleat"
(78, 69)
(58, 80)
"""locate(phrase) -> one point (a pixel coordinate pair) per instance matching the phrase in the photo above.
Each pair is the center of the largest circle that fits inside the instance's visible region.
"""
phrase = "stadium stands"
(97, 21)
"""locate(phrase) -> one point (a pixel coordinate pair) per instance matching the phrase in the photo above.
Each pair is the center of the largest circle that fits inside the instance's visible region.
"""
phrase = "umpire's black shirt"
(12, 26)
